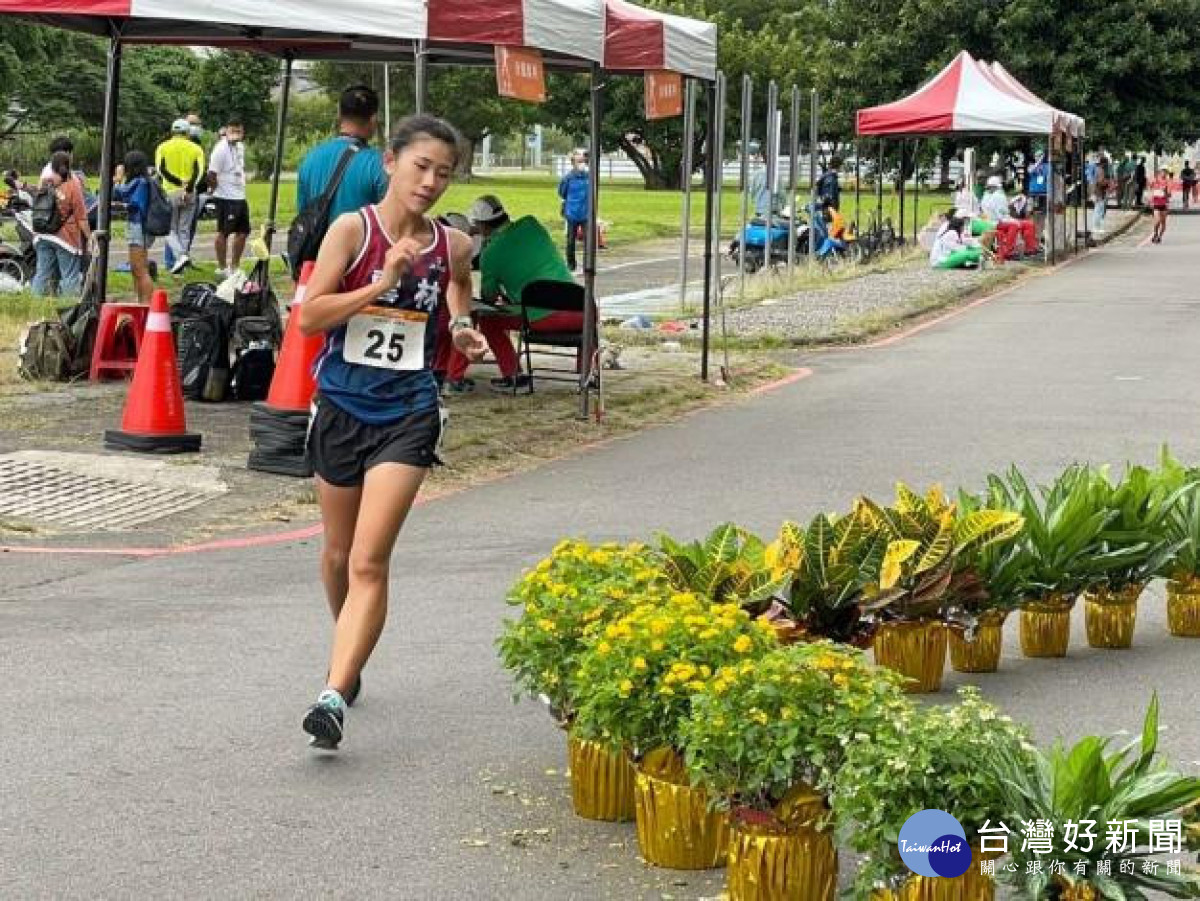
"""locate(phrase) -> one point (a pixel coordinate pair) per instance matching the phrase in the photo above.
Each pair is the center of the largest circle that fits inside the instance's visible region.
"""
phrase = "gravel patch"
(830, 311)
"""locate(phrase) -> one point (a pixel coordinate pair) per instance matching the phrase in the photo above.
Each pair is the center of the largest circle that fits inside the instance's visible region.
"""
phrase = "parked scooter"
(754, 239)
(18, 261)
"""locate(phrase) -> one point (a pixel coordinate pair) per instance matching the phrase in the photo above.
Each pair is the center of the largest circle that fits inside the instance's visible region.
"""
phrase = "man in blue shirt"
(575, 191)
(365, 181)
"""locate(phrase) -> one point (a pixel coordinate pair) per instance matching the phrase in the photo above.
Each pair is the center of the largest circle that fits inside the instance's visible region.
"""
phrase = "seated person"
(830, 229)
(953, 251)
(515, 253)
(996, 212)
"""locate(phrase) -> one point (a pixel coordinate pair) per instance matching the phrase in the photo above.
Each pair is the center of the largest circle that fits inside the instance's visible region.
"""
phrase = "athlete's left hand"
(470, 343)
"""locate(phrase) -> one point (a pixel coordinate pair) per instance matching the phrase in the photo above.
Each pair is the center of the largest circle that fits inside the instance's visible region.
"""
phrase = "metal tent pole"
(903, 152)
(793, 174)
(387, 103)
(719, 181)
(108, 154)
(689, 127)
(879, 189)
(422, 78)
(747, 114)
(277, 164)
(857, 186)
(1050, 218)
(712, 175)
(813, 144)
(772, 169)
(590, 313)
(916, 188)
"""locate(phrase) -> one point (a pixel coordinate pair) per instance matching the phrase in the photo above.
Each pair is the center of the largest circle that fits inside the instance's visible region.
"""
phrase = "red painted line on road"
(792, 378)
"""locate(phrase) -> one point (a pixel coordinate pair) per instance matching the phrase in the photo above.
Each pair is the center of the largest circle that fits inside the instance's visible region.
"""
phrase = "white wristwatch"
(460, 322)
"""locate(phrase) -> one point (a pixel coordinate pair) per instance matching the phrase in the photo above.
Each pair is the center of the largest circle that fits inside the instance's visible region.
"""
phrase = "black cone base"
(188, 442)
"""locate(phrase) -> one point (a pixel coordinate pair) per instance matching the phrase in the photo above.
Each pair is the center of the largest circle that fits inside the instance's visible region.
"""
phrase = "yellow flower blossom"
(841, 681)
(547, 625)
(626, 687)
(696, 685)
(659, 626)
(743, 644)
(759, 717)
(639, 664)
(666, 690)
(603, 648)
(705, 670)
(657, 646)
(786, 713)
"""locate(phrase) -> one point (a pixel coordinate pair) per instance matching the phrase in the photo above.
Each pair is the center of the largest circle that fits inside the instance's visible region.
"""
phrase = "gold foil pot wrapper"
(1046, 627)
(790, 859)
(675, 827)
(1110, 616)
(601, 781)
(1183, 607)
(982, 653)
(916, 650)
(970, 886)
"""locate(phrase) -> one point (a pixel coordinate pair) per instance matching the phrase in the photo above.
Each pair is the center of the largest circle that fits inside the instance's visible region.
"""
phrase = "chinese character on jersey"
(1039, 836)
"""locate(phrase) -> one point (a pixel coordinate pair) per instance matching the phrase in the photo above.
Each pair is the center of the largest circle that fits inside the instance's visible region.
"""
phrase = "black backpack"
(45, 215)
(200, 324)
(308, 229)
(258, 299)
(158, 209)
(253, 345)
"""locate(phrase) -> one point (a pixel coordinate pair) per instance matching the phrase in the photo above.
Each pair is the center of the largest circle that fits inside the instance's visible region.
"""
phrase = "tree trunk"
(466, 164)
(651, 174)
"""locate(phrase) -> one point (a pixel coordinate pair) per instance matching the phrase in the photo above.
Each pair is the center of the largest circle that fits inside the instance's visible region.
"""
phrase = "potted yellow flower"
(766, 745)
(635, 683)
(565, 600)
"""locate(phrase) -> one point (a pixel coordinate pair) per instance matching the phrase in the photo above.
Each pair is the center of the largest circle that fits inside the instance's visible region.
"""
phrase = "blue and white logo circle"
(933, 843)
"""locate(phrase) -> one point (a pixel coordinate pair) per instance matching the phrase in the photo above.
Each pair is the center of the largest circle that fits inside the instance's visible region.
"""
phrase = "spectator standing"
(829, 186)
(1139, 182)
(60, 255)
(1125, 181)
(575, 190)
(63, 144)
(365, 181)
(133, 189)
(1101, 178)
(1187, 176)
(180, 164)
(227, 182)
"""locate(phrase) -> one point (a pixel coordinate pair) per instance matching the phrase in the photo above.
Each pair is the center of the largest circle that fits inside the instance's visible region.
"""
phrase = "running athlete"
(376, 426)
(1160, 200)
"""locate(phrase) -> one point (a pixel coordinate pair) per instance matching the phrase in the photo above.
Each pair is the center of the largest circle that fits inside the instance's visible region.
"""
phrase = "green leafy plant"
(753, 737)
(1181, 525)
(636, 678)
(925, 537)
(564, 600)
(831, 562)
(730, 565)
(1087, 783)
(1141, 504)
(989, 580)
(1061, 549)
(939, 757)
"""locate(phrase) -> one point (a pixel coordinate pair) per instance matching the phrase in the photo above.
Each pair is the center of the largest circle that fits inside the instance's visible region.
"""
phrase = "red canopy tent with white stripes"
(584, 35)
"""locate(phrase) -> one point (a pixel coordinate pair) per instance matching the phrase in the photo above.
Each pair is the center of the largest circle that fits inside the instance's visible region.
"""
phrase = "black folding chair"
(557, 297)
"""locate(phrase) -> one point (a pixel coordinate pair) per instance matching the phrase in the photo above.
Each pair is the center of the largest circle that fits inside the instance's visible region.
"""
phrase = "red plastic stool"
(105, 362)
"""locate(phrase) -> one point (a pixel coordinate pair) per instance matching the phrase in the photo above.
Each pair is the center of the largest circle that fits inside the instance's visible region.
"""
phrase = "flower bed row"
(718, 692)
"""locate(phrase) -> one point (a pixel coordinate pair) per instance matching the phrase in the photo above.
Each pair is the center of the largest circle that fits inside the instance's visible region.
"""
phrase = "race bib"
(386, 339)
(1159, 194)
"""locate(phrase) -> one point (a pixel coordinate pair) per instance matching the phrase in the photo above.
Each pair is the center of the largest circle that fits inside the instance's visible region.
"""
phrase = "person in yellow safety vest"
(180, 164)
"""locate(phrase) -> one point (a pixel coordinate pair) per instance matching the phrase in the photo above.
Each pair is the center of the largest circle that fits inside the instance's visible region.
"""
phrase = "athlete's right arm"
(324, 307)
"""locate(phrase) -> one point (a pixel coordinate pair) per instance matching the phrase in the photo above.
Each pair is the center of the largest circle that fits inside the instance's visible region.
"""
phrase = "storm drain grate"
(60, 497)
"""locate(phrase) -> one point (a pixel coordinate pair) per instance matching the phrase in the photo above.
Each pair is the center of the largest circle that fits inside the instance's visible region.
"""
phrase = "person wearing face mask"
(380, 276)
(575, 190)
(227, 183)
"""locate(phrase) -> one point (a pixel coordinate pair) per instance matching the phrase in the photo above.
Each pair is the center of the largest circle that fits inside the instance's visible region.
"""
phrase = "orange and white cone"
(154, 420)
(292, 386)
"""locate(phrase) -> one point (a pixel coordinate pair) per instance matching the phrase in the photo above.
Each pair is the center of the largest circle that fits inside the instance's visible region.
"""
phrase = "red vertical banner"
(664, 94)
(520, 74)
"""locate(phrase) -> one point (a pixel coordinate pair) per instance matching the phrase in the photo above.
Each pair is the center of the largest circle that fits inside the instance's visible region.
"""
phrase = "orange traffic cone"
(154, 420)
(292, 386)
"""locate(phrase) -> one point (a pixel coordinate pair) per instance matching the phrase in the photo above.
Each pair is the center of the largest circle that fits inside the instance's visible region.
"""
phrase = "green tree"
(230, 85)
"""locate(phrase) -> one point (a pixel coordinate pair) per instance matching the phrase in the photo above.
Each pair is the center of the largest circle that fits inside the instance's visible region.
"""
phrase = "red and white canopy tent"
(580, 35)
(969, 97)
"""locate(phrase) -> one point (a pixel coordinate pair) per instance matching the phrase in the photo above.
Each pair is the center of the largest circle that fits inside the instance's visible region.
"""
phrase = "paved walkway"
(153, 746)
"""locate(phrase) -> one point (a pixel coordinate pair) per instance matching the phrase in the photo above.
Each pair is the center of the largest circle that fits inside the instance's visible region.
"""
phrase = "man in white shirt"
(227, 184)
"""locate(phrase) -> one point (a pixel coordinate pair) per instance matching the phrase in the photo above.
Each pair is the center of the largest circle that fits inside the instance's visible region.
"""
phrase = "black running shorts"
(342, 447)
(233, 217)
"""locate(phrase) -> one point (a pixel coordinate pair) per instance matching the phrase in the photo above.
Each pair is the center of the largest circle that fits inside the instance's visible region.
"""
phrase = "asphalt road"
(152, 744)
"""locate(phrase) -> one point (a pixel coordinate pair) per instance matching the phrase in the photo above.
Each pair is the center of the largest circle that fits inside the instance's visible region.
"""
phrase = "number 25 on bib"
(386, 339)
